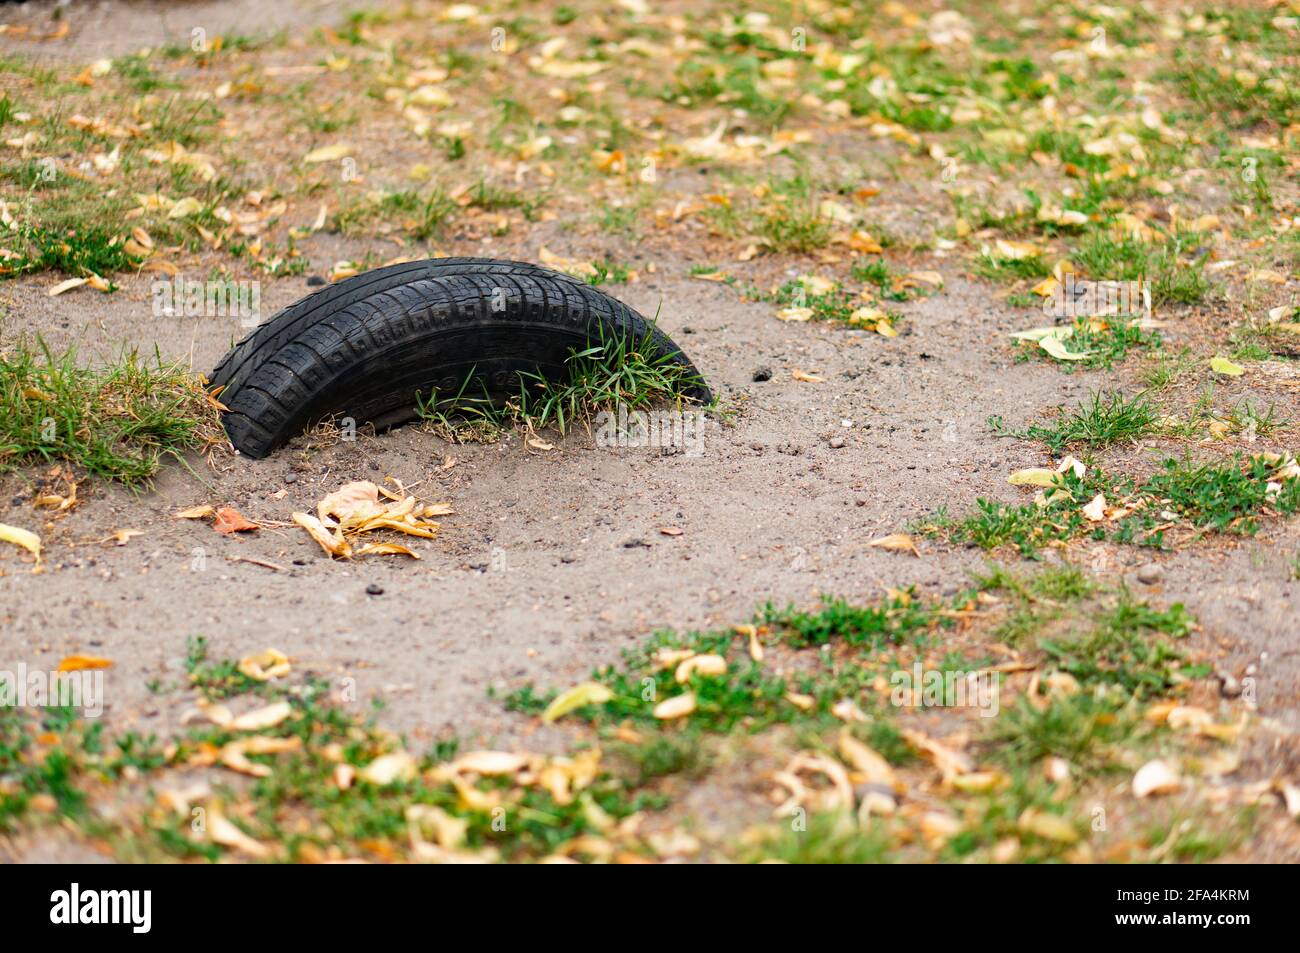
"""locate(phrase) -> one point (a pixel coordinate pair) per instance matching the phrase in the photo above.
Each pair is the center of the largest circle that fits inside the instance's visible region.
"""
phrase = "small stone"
(837, 442)
(315, 281)
(374, 589)
(291, 478)
(1229, 687)
(762, 374)
(1150, 574)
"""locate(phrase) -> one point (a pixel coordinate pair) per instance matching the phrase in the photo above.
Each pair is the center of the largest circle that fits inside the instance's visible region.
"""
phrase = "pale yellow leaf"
(896, 542)
(588, 693)
(21, 537)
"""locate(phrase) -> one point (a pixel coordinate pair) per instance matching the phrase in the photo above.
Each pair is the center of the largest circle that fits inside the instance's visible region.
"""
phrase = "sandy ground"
(115, 27)
(554, 561)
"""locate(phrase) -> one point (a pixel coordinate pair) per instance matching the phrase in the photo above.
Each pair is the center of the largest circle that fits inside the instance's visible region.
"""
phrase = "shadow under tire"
(365, 347)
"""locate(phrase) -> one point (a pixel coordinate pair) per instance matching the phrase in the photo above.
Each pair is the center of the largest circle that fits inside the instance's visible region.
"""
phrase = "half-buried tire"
(367, 347)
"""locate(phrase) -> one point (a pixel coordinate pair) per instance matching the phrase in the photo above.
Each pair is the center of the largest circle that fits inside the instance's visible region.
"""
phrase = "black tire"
(366, 346)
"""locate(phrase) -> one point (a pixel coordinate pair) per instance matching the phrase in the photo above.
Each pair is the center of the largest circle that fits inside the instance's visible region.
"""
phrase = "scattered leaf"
(21, 537)
(679, 706)
(230, 520)
(81, 663)
(1156, 777)
(896, 542)
(1221, 365)
(588, 693)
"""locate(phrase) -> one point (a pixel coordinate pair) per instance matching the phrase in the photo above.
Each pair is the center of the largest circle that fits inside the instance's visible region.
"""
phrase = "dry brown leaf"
(896, 542)
(68, 285)
(386, 549)
(334, 545)
(261, 718)
(230, 520)
(265, 665)
(1156, 777)
(490, 762)
(356, 501)
(388, 768)
(222, 831)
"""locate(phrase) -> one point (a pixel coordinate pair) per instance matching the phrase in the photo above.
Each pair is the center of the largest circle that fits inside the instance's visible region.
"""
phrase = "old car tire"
(366, 347)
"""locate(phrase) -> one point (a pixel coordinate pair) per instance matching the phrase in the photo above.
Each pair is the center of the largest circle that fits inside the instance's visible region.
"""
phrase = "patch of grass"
(1227, 93)
(422, 216)
(609, 272)
(621, 371)
(1027, 526)
(299, 810)
(748, 694)
(1039, 599)
(890, 285)
(1226, 497)
(140, 75)
(787, 221)
(891, 621)
(994, 818)
(1081, 728)
(1104, 420)
(1174, 278)
(823, 838)
(78, 251)
(663, 754)
(995, 268)
(215, 680)
(1103, 343)
(835, 304)
(494, 198)
(118, 421)
(1191, 840)
(1119, 649)
(732, 79)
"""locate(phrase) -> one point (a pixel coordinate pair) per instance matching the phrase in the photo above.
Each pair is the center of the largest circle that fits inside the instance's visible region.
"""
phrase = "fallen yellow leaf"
(588, 693)
(896, 542)
(21, 537)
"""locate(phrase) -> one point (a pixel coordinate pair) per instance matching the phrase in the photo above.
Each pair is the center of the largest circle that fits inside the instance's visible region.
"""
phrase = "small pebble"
(762, 374)
(374, 589)
(315, 281)
(837, 442)
(1150, 574)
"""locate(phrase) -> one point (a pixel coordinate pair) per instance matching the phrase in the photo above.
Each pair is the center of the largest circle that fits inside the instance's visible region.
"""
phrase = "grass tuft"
(117, 421)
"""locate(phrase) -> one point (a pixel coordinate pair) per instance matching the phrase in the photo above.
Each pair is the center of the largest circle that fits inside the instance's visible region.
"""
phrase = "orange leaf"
(80, 663)
(230, 520)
